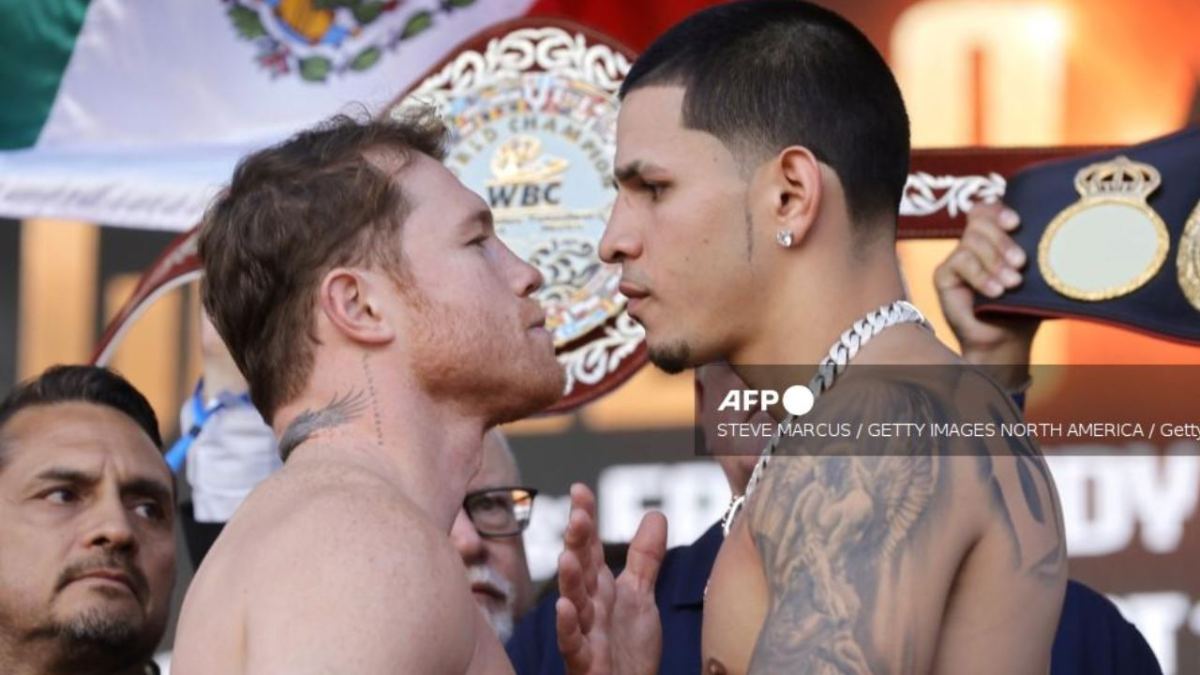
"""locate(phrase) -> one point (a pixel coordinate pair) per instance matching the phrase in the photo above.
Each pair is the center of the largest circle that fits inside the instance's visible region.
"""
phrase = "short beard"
(501, 620)
(502, 623)
(454, 364)
(671, 359)
(96, 638)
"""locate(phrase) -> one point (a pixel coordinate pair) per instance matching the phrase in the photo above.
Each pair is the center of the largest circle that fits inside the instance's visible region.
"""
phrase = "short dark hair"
(291, 213)
(83, 384)
(762, 75)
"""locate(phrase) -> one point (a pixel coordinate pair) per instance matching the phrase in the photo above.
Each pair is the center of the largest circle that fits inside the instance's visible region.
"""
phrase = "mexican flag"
(134, 112)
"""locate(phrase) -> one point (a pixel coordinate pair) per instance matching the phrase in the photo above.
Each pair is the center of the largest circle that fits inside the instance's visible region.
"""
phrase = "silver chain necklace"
(832, 366)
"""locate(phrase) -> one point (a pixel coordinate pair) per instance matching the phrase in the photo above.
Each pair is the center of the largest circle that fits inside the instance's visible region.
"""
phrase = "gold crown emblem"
(1120, 176)
(520, 160)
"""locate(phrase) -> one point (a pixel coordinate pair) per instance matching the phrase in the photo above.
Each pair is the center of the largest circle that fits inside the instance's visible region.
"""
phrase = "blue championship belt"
(1112, 237)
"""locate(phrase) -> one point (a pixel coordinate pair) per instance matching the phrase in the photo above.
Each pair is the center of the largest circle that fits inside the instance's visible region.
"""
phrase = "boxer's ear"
(795, 188)
(351, 301)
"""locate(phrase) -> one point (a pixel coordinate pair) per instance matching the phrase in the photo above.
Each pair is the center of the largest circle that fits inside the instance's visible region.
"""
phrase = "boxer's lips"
(632, 291)
(538, 329)
(635, 294)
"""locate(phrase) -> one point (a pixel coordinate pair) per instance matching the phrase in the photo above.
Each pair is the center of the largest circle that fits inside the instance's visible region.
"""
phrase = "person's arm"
(864, 538)
(987, 261)
(347, 589)
(858, 573)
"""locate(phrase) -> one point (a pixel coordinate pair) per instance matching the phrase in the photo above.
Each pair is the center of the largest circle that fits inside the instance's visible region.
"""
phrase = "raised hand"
(989, 262)
(606, 625)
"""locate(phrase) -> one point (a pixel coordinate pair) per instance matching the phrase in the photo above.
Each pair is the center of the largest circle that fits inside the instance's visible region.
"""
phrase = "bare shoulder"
(864, 531)
(342, 499)
(937, 441)
(350, 525)
(365, 567)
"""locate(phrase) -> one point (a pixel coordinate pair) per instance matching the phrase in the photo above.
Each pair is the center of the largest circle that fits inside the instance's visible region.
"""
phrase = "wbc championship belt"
(531, 108)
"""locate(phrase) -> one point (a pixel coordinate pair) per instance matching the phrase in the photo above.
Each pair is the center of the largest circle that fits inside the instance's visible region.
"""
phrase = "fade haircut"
(291, 213)
(763, 75)
(81, 384)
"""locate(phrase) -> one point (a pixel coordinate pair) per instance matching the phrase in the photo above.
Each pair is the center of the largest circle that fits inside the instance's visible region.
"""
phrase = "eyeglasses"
(500, 511)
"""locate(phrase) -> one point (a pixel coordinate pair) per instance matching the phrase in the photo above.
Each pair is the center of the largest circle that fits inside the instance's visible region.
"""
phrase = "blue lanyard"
(200, 415)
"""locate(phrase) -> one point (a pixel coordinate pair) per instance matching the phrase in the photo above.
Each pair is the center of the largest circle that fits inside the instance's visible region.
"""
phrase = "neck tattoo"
(340, 410)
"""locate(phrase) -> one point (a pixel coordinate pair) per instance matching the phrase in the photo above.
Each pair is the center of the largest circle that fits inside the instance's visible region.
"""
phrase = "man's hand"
(986, 261)
(608, 625)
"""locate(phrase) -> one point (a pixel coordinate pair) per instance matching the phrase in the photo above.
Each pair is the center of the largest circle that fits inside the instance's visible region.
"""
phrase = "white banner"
(160, 99)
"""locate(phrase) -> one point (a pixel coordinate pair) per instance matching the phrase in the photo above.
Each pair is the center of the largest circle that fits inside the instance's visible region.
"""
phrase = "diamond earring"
(784, 238)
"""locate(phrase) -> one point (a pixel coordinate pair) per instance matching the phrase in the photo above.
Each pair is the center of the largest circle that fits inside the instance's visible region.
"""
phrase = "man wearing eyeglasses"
(487, 534)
